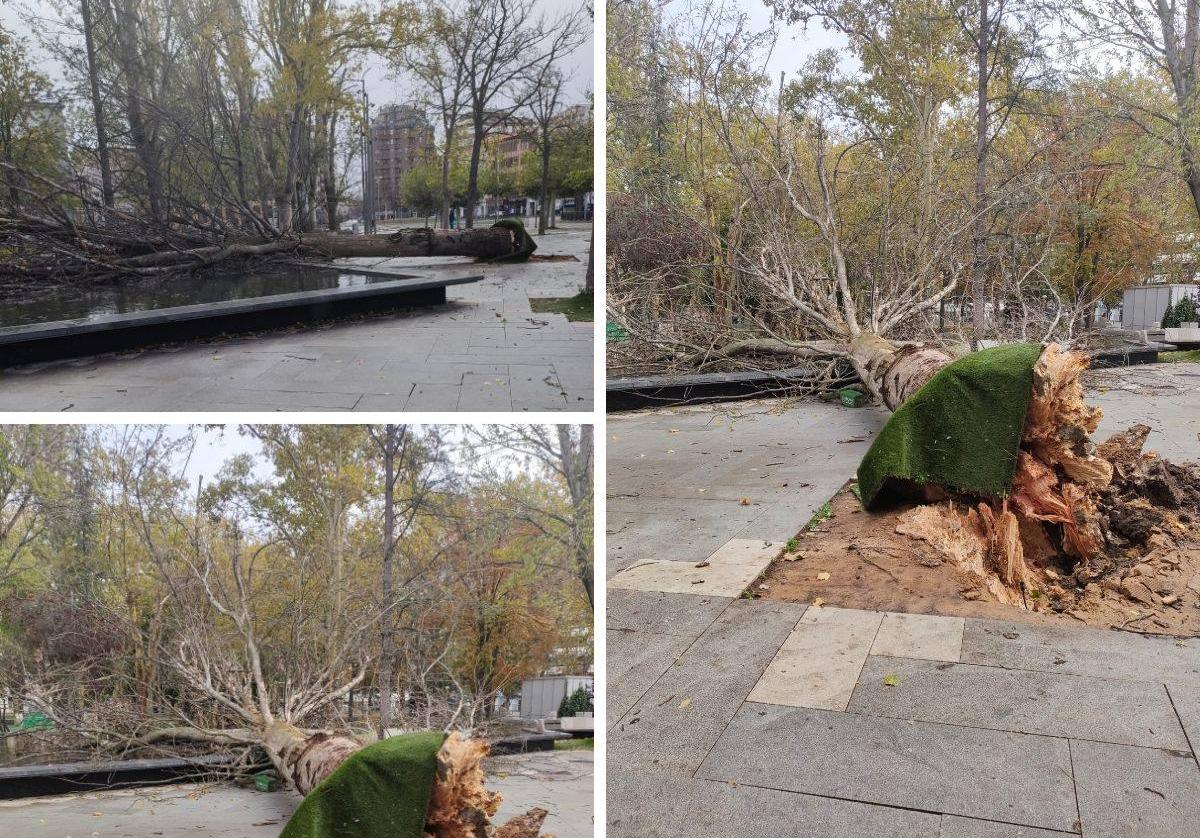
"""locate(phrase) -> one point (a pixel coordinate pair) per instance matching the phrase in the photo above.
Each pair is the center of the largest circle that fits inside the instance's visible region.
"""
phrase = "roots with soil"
(1085, 527)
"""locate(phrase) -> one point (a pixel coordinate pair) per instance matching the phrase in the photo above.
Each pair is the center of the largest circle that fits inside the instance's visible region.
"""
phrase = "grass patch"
(578, 308)
(581, 744)
(819, 517)
(1186, 355)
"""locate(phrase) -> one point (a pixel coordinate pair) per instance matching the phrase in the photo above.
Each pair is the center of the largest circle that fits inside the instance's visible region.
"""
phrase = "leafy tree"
(32, 131)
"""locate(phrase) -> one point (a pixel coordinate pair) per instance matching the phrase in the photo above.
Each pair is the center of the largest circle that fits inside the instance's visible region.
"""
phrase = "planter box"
(578, 724)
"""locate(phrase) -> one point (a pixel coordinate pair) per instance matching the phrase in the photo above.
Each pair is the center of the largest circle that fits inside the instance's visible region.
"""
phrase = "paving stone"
(1081, 651)
(686, 615)
(1129, 792)
(669, 528)
(956, 827)
(925, 636)
(1187, 708)
(1105, 710)
(819, 663)
(993, 775)
(675, 723)
(636, 659)
(727, 572)
(656, 805)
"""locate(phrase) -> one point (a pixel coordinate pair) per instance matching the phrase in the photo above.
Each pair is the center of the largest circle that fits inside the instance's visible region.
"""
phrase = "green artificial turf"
(961, 430)
(381, 791)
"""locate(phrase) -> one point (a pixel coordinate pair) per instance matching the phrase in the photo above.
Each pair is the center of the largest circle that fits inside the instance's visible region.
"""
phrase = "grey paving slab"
(637, 660)
(654, 528)
(728, 571)
(925, 636)
(654, 805)
(169, 812)
(820, 661)
(674, 724)
(956, 827)
(1136, 792)
(993, 775)
(1186, 701)
(1105, 710)
(1082, 651)
(677, 477)
(686, 615)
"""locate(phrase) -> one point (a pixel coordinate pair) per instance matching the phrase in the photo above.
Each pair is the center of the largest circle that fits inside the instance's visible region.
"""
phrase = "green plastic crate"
(851, 397)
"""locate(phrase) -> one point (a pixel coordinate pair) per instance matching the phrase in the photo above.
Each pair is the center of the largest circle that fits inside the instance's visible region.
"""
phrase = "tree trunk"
(387, 632)
(893, 373)
(473, 175)
(577, 468)
(304, 760)
(106, 181)
(485, 243)
(140, 133)
(589, 278)
(544, 186)
(979, 239)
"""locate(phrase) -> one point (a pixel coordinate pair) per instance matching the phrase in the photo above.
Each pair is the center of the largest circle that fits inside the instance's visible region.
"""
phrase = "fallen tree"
(1065, 521)
(66, 235)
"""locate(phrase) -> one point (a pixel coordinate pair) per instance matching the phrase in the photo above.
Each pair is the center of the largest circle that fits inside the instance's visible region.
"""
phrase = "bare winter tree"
(544, 107)
(506, 58)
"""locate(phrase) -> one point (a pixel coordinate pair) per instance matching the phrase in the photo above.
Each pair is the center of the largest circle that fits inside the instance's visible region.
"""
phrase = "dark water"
(94, 301)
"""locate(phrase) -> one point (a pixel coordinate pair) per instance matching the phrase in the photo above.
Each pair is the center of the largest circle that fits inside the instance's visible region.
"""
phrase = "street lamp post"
(368, 164)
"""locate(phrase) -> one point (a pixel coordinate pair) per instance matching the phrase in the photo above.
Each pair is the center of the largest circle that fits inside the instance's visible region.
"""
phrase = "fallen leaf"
(891, 681)
(704, 563)
(818, 602)
(685, 704)
(745, 501)
(823, 576)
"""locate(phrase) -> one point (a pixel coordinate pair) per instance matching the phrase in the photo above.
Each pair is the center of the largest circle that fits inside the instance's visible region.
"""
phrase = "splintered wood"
(462, 807)
(1093, 529)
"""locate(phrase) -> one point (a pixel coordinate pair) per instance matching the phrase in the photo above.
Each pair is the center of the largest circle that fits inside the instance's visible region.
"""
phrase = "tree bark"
(387, 632)
(106, 181)
(485, 243)
(892, 373)
(979, 239)
(577, 467)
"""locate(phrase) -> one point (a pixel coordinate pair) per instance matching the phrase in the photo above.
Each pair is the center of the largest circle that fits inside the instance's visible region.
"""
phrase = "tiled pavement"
(485, 350)
(731, 716)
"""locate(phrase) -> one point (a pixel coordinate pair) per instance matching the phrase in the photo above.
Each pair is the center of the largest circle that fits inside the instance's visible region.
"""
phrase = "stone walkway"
(559, 781)
(732, 716)
(483, 351)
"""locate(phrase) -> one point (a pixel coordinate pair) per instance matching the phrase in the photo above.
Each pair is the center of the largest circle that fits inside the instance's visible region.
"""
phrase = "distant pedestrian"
(453, 218)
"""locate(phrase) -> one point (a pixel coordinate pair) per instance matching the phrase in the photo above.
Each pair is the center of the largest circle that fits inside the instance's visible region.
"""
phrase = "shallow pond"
(90, 302)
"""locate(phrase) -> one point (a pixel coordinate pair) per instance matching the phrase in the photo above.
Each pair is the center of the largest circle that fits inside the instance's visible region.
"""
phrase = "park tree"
(32, 131)
(152, 610)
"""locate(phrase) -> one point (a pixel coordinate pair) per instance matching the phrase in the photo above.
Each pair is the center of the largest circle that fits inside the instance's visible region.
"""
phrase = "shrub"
(579, 701)
(1184, 311)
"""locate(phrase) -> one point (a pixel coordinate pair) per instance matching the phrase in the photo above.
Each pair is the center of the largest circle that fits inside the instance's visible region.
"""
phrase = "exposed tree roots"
(460, 805)
(1086, 526)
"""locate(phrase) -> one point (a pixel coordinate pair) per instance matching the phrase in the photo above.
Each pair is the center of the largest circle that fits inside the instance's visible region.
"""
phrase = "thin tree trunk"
(979, 239)
(473, 176)
(387, 633)
(545, 182)
(577, 466)
(106, 181)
